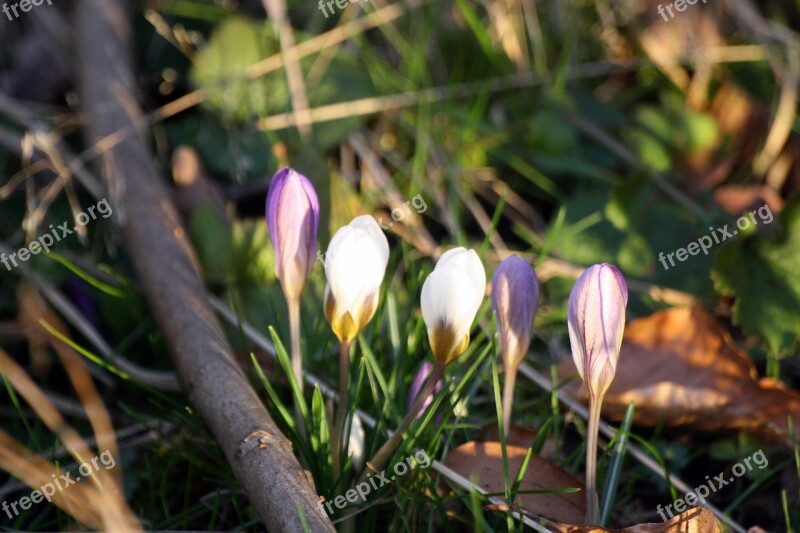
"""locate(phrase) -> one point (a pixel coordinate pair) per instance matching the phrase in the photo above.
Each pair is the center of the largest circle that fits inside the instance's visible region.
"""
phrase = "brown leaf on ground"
(483, 463)
(681, 367)
(697, 520)
(737, 199)
(519, 436)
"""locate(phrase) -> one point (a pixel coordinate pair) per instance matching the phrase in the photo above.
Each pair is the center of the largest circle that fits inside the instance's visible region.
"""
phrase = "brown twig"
(217, 387)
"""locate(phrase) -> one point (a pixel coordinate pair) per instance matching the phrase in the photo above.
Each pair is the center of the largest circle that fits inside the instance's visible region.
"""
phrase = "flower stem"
(591, 459)
(508, 396)
(338, 434)
(297, 358)
(378, 461)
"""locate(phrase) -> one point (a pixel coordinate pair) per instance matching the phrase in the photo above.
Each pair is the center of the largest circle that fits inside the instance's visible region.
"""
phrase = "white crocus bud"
(451, 297)
(355, 264)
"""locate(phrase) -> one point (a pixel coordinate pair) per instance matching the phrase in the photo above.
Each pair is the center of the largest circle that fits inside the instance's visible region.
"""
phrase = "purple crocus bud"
(416, 387)
(515, 296)
(596, 320)
(293, 220)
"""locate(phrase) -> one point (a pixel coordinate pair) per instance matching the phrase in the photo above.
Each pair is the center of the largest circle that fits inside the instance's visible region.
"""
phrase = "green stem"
(378, 461)
(297, 358)
(342, 407)
(508, 396)
(591, 459)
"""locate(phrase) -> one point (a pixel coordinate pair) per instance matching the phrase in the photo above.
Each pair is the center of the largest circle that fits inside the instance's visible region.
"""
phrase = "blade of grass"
(88, 278)
(612, 476)
(285, 362)
(501, 431)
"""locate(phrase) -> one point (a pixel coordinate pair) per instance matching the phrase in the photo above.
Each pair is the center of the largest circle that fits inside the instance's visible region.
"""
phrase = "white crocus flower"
(451, 297)
(355, 264)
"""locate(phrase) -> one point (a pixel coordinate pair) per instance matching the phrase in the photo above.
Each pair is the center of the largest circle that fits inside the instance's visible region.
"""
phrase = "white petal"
(457, 257)
(355, 263)
(446, 300)
(355, 448)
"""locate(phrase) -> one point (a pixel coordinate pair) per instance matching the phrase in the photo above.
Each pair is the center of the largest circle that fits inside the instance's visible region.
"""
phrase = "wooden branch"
(259, 455)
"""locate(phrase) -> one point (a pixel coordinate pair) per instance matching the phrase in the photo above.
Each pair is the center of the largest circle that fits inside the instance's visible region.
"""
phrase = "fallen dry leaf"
(483, 463)
(697, 520)
(680, 366)
(519, 436)
(737, 199)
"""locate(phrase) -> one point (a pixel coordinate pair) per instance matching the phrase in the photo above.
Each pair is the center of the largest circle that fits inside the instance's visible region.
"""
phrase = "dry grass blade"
(294, 73)
(36, 472)
(787, 75)
(368, 106)
(161, 380)
(40, 320)
(114, 509)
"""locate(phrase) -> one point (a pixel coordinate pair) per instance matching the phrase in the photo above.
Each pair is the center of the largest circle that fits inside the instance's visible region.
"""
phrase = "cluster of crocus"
(452, 294)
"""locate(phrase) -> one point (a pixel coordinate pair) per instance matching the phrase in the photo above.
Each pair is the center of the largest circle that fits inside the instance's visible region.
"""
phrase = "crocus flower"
(515, 296)
(416, 387)
(451, 297)
(292, 219)
(596, 320)
(355, 264)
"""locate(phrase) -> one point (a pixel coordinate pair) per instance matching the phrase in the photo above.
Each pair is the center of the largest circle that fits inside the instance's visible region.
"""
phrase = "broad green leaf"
(219, 68)
(238, 43)
(762, 273)
(212, 240)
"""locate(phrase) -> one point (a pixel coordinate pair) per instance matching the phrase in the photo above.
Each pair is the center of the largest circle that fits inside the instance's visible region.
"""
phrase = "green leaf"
(319, 431)
(283, 358)
(211, 237)
(254, 256)
(761, 272)
(236, 44)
